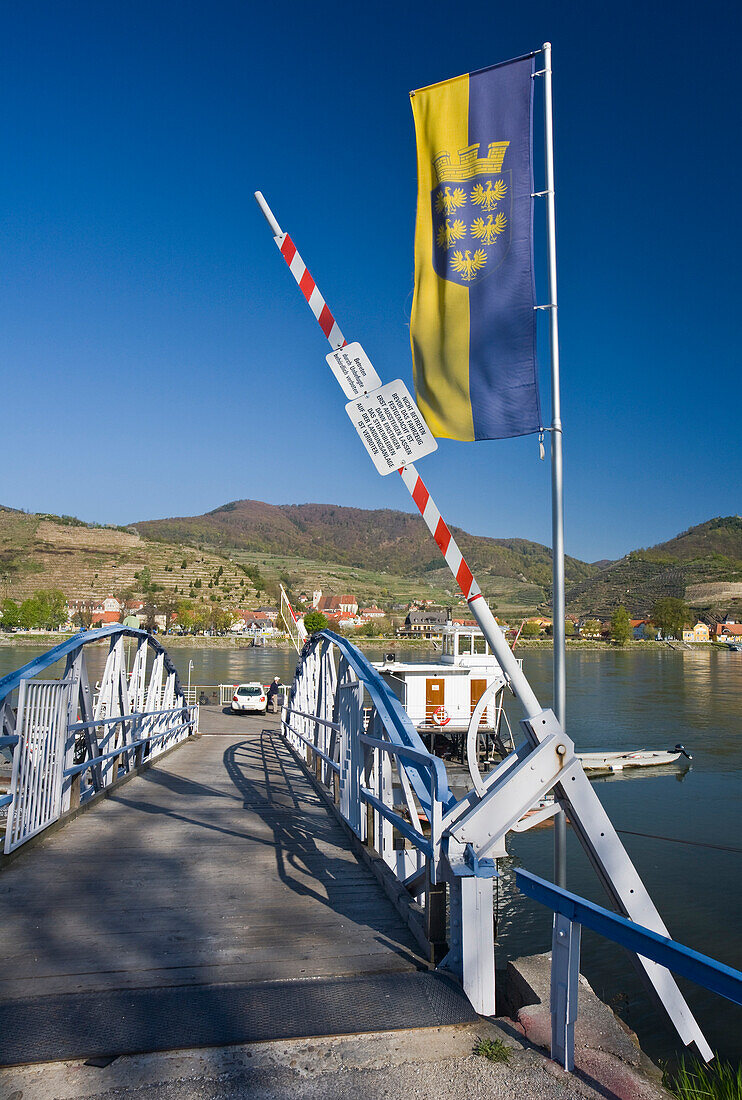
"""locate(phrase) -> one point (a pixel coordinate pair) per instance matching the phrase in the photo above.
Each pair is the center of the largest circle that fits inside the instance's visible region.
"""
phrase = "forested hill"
(702, 566)
(398, 542)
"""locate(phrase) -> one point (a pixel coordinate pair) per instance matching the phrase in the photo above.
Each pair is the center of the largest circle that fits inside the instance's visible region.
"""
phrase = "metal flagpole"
(557, 485)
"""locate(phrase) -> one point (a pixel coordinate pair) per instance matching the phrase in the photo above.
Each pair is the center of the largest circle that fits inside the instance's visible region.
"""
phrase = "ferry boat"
(441, 696)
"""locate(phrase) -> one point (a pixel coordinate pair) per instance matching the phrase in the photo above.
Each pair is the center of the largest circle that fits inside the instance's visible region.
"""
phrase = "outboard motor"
(682, 748)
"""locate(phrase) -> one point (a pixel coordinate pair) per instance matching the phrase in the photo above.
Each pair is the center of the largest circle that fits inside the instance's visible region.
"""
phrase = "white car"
(249, 697)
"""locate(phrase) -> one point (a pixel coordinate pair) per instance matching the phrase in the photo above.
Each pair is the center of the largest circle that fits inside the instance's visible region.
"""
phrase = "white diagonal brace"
(518, 790)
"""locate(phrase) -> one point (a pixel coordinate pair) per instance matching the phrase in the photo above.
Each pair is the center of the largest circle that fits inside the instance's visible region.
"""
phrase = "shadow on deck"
(210, 900)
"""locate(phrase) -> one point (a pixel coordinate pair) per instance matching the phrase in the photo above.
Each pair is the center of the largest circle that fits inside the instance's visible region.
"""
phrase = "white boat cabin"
(442, 695)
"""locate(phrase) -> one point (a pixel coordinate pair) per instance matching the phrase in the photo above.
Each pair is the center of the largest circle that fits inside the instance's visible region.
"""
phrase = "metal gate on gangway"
(39, 759)
(68, 745)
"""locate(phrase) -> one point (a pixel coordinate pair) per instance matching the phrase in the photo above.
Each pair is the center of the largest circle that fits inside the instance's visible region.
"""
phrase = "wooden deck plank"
(218, 864)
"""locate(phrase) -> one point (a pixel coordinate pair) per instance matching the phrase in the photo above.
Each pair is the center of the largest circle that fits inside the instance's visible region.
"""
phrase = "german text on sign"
(352, 368)
(391, 427)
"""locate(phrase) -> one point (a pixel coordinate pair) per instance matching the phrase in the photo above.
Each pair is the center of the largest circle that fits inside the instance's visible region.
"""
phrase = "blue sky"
(157, 358)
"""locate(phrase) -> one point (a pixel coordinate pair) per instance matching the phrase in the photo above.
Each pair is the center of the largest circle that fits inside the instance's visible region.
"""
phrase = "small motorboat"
(643, 758)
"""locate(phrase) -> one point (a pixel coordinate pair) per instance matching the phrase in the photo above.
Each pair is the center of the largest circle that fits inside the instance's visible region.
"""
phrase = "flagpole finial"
(546, 46)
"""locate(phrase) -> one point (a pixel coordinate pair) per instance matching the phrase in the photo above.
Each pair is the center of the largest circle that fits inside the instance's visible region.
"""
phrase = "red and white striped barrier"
(438, 528)
(311, 292)
(415, 484)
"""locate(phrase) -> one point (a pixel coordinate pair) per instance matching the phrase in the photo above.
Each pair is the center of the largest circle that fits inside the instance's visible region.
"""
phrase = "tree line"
(669, 617)
(45, 610)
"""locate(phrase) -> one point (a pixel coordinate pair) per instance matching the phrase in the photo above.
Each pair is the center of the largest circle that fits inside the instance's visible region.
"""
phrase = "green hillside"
(87, 561)
(515, 573)
(236, 555)
(383, 539)
(702, 566)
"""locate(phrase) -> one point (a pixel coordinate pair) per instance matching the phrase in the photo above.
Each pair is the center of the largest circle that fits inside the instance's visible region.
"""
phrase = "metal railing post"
(565, 973)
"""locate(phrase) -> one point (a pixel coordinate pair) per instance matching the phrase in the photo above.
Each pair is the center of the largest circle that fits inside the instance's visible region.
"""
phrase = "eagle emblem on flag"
(471, 206)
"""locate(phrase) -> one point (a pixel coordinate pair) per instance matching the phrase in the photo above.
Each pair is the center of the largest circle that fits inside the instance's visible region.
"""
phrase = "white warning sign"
(352, 368)
(391, 427)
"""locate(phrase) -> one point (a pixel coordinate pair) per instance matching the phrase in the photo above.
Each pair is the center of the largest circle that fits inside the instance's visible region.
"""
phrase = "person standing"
(273, 691)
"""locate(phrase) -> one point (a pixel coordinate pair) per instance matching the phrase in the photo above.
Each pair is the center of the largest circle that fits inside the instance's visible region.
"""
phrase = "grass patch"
(692, 1079)
(494, 1050)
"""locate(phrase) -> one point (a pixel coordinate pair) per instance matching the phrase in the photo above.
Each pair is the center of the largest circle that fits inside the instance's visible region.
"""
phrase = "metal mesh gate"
(38, 760)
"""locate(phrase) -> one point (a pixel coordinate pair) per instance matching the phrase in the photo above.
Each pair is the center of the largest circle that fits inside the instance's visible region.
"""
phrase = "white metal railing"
(371, 779)
(68, 743)
(388, 788)
(345, 723)
(35, 796)
(43, 786)
(226, 694)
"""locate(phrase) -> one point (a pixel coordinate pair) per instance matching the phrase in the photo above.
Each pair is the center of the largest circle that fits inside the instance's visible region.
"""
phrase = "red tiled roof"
(105, 617)
(329, 603)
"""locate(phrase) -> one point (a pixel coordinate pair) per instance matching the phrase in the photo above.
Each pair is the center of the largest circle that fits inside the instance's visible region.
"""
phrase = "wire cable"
(677, 840)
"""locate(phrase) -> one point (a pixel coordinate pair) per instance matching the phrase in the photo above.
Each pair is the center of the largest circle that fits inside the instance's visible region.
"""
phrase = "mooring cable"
(678, 840)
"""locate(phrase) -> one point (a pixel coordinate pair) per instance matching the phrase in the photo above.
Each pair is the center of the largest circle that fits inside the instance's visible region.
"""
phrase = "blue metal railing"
(43, 787)
(398, 726)
(707, 972)
(427, 846)
(130, 746)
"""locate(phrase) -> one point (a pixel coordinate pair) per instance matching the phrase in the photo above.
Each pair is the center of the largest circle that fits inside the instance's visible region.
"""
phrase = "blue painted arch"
(70, 645)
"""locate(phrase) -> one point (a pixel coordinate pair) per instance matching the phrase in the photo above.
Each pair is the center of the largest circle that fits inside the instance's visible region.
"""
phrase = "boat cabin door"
(477, 690)
(434, 699)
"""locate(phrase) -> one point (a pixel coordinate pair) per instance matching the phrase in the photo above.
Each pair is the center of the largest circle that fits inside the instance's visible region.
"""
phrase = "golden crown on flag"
(469, 164)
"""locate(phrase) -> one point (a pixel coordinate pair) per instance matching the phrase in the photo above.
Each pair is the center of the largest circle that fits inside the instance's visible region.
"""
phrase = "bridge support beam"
(472, 945)
(478, 943)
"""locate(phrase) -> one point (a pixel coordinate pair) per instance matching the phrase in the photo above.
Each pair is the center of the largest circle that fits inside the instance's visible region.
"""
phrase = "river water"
(616, 699)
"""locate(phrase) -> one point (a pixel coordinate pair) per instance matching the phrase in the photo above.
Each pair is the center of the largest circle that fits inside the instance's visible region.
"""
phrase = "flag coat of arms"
(473, 327)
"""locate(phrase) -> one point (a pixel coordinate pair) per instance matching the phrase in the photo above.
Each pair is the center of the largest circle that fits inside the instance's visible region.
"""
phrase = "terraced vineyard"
(702, 566)
(236, 555)
(83, 561)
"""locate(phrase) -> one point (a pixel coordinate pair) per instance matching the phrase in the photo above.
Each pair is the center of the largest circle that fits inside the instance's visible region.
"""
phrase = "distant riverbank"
(201, 641)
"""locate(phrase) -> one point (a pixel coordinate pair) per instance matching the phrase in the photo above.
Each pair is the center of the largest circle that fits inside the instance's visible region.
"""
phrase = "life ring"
(441, 717)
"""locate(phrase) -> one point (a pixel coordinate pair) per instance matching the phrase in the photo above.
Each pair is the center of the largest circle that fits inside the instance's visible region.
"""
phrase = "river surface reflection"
(615, 700)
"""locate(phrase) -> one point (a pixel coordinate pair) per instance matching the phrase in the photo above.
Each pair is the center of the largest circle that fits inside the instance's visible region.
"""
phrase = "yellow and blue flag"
(473, 327)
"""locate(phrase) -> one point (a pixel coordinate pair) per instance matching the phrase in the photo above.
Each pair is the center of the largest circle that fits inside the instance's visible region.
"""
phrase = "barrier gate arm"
(548, 761)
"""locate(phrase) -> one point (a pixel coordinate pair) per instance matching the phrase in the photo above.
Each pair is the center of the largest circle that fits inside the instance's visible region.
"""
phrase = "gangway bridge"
(176, 878)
